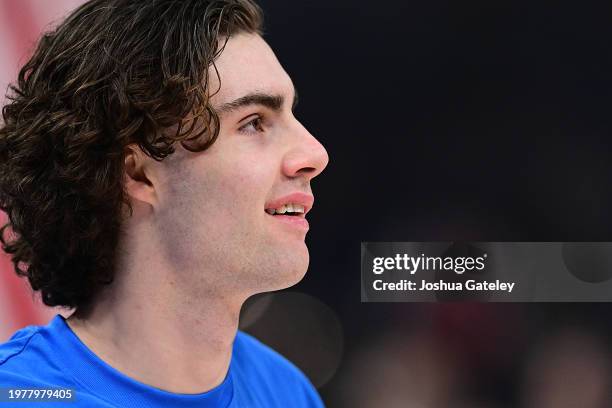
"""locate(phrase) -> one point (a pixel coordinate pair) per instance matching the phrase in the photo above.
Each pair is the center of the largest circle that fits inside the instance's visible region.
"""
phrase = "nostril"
(307, 170)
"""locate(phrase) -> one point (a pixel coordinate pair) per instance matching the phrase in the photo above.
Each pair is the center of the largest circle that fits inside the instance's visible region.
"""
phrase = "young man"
(155, 178)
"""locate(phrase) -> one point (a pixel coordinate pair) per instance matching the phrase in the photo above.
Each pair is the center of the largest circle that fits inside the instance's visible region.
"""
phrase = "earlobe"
(137, 180)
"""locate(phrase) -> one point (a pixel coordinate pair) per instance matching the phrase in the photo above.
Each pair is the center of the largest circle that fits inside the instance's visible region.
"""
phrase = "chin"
(294, 278)
(291, 270)
(274, 266)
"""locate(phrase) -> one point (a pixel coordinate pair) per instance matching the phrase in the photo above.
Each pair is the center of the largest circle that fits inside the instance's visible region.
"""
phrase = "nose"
(307, 157)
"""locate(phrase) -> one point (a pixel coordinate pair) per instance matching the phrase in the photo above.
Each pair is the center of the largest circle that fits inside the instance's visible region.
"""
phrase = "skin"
(199, 242)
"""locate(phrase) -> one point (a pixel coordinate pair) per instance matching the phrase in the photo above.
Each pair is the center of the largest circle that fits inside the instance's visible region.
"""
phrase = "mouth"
(291, 209)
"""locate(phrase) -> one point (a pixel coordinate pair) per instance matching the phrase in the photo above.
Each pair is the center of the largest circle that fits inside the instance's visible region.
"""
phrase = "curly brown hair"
(115, 73)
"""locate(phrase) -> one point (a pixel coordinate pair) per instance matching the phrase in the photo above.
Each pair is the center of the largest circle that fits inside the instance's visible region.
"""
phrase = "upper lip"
(303, 199)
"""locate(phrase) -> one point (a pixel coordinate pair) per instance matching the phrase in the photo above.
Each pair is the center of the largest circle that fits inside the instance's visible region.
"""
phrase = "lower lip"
(297, 222)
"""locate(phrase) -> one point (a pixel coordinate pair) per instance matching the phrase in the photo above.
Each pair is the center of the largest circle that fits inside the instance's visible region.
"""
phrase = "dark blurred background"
(447, 121)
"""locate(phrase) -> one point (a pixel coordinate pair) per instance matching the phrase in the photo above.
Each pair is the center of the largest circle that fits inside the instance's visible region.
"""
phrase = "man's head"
(192, 85)
(212, 210)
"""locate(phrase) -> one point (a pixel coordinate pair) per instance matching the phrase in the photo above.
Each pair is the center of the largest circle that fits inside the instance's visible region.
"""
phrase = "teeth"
(295, 208)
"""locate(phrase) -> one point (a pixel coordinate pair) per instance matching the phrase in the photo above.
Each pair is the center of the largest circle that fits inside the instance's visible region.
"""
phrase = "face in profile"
(232, 218)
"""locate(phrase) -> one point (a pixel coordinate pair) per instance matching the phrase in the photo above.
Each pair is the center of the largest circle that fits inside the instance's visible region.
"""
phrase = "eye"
(255, 125)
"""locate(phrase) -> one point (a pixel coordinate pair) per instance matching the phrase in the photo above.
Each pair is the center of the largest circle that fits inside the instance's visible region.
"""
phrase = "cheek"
(237, 193)
(227, 186)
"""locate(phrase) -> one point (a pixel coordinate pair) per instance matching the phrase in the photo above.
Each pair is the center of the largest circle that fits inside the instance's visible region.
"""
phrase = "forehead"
(248, 64)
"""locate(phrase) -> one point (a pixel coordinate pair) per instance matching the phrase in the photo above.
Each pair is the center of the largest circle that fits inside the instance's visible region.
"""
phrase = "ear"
(137, 176)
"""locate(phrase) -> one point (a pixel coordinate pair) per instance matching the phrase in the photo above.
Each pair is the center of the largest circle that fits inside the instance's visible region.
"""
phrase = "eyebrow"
(273, 102)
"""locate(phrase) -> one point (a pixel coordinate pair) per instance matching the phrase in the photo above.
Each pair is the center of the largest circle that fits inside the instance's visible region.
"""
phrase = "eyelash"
(256, 123)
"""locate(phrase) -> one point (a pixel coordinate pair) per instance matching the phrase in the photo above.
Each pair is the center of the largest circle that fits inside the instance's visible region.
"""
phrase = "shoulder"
(14, 357)
(257, 363)
(16, 350)
(24, 359)
(28, 360)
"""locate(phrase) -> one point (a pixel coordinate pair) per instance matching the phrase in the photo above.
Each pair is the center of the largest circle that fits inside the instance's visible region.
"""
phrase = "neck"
(144, 320)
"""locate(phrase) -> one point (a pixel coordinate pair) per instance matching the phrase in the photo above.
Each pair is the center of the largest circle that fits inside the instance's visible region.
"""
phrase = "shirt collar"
(106, 382)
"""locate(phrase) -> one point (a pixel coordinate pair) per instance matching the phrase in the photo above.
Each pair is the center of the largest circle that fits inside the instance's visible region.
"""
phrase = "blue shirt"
(53, 356)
